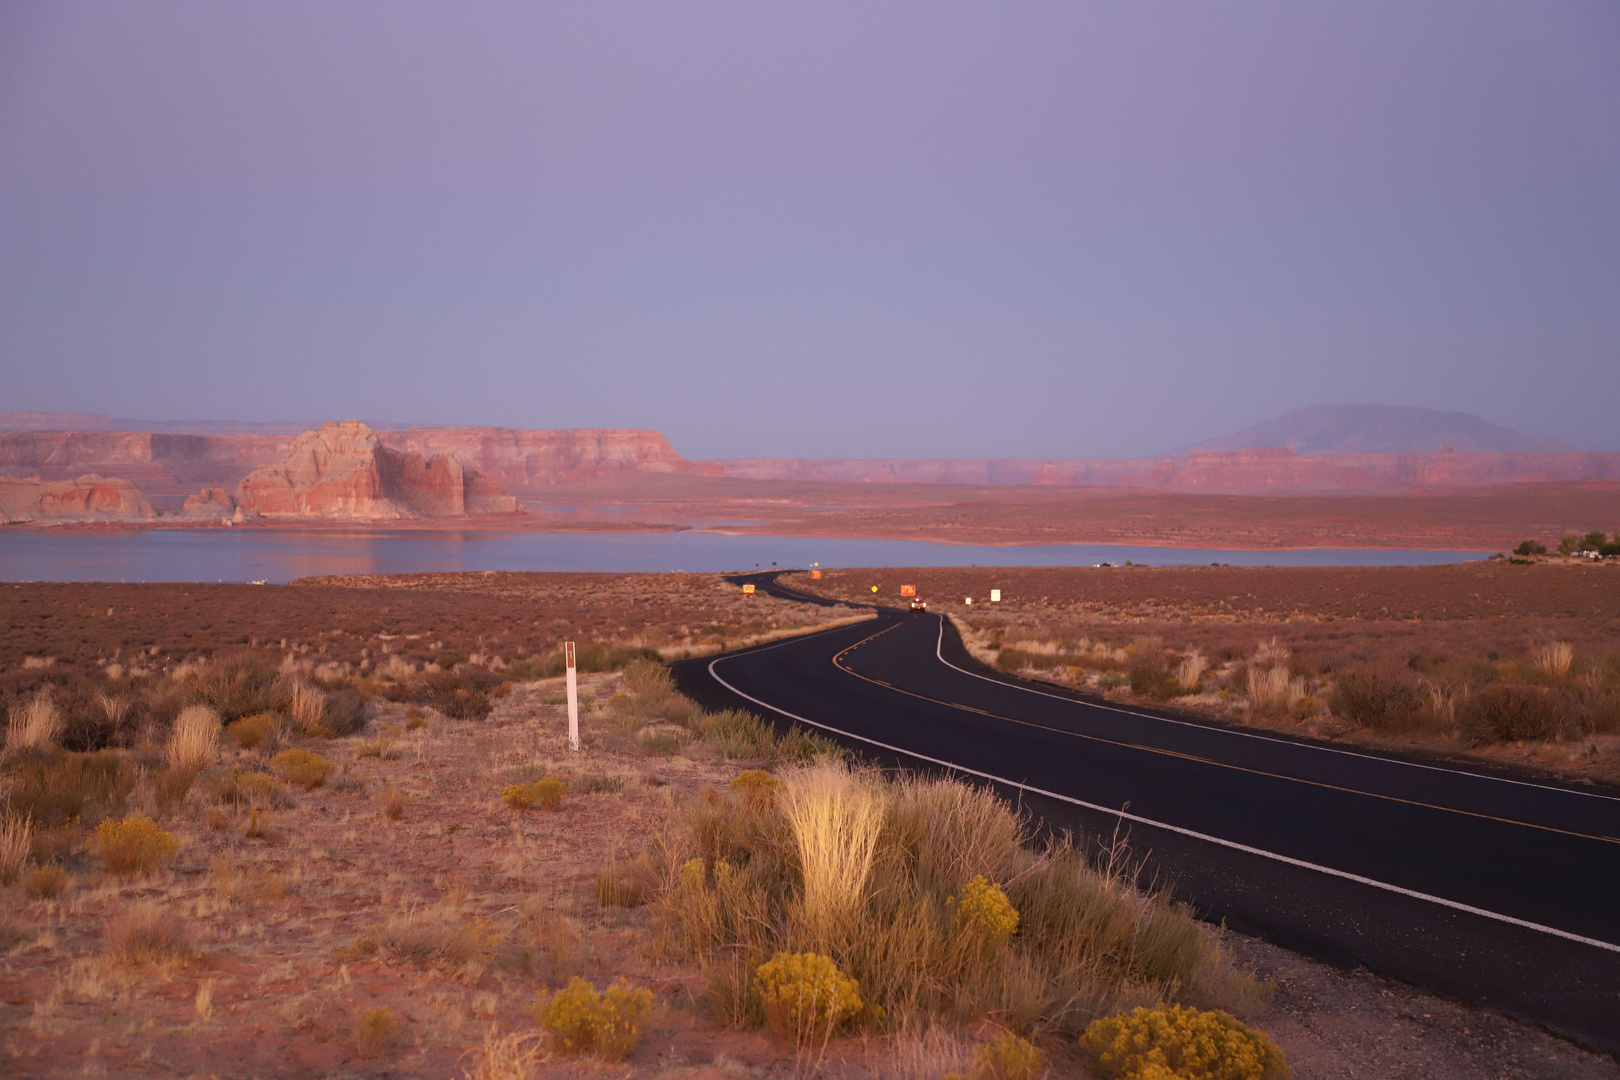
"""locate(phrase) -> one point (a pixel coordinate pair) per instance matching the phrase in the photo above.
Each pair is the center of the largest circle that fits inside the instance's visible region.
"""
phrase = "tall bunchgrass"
(1553, 659)
(307, 707)
(194, 741)
(16, 841)
(835, 816)
(34, 724)
(930, 895)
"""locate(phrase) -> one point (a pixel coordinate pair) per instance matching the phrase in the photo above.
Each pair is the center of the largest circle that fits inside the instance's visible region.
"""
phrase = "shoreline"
(490, 525)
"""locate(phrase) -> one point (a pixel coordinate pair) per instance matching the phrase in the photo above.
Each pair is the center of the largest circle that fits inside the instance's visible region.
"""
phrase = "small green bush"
(737, 734)
(303, 768)
(1181, 1043)
(659, 744)
(1530, 547)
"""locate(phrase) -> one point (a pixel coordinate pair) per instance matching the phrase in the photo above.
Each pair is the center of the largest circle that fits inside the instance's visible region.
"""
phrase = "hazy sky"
(813, 228)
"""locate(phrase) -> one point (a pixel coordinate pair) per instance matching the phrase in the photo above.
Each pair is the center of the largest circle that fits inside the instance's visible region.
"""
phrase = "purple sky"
(814, 229)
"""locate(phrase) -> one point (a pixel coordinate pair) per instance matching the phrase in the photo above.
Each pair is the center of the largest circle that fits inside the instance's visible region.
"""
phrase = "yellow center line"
(839, 664)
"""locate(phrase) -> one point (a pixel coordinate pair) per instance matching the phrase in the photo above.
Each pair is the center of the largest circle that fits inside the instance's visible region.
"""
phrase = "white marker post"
(573, 697)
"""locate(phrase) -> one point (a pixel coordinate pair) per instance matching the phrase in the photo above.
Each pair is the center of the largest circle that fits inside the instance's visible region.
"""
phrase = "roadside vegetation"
(398, 865)
(1511, 662)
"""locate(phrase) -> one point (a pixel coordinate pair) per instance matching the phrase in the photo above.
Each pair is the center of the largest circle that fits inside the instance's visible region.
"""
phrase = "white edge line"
(939, 651)
(1234, 845)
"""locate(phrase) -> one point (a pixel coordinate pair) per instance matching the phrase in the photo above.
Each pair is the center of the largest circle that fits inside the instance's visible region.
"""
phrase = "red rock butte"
(342, 471)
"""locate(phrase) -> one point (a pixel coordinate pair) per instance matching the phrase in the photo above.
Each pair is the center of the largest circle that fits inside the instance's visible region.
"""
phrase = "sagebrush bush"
(805, 997)
(1376, 698)
(251, 732)
(608, 1024)
(1512, 712)
(134, 846)
(70, 787)
(303, 768)
(755, 783)
(1182, 1043)
(391, 801)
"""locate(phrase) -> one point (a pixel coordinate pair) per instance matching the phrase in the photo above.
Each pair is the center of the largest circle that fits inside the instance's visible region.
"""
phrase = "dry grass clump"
(392, 802)
(148, 934)
(925, 892)
(134, 846)
(1177, 1042)
(376, 1032)
(514, 1056)
(306, 706)
(1553, 659)
(620, 885)
(69, 789)
(33, 724)
(1008, 1057)
(193, 746)
(46, 883)
(302, 768)
(440, 935)
(580, 1020)
(16, 842)
(834, 816)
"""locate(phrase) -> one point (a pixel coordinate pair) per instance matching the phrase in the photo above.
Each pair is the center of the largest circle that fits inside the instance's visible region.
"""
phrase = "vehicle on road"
(918, 604)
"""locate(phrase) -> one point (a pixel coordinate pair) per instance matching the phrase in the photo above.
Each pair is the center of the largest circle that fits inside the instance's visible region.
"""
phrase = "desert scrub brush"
(1182, 1043)
(805, 996)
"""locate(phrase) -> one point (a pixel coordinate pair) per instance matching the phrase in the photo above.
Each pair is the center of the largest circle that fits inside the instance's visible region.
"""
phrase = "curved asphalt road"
(1484, 888)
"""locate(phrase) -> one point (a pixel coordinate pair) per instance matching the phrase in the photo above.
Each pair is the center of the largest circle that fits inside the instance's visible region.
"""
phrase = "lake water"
(280, 556)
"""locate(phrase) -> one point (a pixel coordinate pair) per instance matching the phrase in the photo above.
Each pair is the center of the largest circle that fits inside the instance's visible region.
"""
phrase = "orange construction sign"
(908, 590)
(815, 575)
(749, 589)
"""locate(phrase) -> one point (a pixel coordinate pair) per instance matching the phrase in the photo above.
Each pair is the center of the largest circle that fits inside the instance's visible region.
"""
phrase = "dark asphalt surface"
(1539, 864)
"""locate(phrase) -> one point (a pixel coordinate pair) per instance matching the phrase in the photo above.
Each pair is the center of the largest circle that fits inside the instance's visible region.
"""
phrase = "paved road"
(1486, 888)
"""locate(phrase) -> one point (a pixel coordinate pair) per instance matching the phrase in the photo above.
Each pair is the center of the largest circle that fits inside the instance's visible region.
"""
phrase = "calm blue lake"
(280, 556)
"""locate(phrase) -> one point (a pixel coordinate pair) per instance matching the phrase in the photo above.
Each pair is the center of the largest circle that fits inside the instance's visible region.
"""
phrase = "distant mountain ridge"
(1380, 429)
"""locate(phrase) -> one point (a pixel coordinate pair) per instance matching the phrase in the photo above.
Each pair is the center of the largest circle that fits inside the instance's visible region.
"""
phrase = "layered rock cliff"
(84, 498)
(1274, 470)
(342, 471)
(532, 458)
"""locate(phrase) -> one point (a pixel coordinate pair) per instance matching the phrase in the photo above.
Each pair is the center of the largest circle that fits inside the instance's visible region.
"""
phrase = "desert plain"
(387, 861)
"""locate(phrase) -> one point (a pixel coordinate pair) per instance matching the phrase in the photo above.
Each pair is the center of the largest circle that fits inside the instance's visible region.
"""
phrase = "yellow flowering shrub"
(304, 768)
(546, 794)
(582, 1021)
(1008, 1057)
(985, 910)
(805, 996)
(135, 845)
(1181, 1043)
(755, 784)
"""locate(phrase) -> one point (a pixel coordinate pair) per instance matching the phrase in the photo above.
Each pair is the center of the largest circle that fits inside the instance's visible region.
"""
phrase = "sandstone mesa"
(342, 471)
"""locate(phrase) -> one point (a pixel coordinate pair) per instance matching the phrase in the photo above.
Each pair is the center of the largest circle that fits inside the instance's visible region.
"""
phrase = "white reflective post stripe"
(573, 696)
